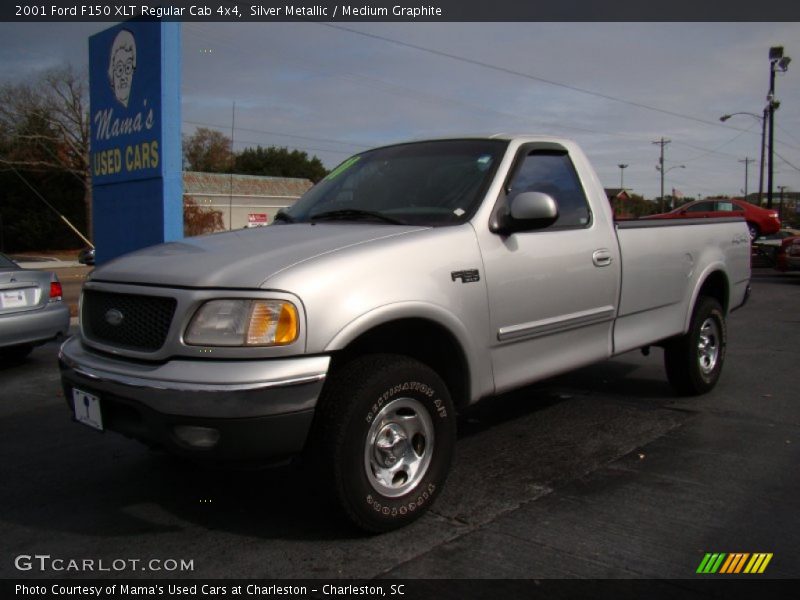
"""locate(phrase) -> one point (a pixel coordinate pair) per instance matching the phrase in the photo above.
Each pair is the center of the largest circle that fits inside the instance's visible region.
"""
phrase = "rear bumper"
(34, 326)
(255, 409)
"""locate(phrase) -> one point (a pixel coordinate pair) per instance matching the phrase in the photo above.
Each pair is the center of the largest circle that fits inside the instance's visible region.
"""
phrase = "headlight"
(243, 323)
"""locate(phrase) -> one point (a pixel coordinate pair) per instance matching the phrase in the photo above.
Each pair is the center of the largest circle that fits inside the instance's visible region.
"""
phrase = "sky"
(336, 89)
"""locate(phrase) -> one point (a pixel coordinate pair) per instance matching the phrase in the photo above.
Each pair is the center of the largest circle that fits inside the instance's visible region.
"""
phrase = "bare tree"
(44, 126)
(198, 220)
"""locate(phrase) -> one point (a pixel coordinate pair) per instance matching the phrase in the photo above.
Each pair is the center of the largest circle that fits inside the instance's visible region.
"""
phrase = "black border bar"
(402, 10)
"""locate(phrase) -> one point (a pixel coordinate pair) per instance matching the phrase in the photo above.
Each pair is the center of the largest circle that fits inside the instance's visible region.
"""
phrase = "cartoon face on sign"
(121, 65)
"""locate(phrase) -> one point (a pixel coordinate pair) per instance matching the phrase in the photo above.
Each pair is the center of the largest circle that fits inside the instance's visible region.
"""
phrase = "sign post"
(137, 190)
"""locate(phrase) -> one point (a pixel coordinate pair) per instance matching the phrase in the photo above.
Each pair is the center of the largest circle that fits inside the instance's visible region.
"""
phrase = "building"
(617, 198)
(243, 200)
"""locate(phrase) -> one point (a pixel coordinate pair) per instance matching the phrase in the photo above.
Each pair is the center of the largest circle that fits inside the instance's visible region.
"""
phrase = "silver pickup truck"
(414, 280)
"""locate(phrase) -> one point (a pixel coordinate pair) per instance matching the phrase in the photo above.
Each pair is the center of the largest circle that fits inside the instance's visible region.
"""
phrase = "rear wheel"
(383, 440)
(694, 360)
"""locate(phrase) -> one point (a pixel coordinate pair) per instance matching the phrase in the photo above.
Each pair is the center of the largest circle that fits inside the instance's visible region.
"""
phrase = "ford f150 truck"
(413, 280)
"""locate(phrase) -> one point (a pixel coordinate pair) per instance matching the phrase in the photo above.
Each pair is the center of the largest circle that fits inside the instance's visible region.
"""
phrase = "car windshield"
(6, 263)
(426, 183)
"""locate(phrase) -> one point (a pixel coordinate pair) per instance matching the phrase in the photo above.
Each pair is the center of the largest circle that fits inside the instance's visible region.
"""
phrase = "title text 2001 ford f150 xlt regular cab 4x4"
(413, 280)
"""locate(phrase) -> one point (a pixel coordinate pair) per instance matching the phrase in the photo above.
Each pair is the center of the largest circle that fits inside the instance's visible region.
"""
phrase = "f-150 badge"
(468, 276)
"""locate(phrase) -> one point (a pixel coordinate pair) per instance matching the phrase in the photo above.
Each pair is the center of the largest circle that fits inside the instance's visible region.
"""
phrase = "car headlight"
(236, 322)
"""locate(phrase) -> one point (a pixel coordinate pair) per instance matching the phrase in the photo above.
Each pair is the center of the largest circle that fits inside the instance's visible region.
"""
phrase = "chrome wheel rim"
(708, 346)
(399, 447)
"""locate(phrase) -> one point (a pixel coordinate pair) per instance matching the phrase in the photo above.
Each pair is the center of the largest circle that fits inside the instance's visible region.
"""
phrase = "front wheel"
(694, 360)
(752, 228)
(383, 441)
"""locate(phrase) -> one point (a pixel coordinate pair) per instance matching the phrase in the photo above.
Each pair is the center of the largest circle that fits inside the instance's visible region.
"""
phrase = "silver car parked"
(32, 311)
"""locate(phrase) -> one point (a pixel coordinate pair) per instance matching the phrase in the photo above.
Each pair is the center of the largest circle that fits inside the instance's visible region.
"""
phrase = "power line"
(280, 134)
(240, 142)
(786, 161)
(51, 207)
(536, 78)
(516, 73)
(481, 108)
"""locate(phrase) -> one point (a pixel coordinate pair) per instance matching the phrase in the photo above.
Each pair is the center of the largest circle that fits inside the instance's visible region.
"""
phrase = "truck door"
(553, 291)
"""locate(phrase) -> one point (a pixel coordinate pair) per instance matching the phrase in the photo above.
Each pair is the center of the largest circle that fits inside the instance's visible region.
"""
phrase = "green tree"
(279, 162)
(208, 151)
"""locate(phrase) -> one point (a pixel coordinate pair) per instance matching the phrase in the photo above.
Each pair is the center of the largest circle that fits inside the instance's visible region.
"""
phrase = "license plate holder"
(87, 409)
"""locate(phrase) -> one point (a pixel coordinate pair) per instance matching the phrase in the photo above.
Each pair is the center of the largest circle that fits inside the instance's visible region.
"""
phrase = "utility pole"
(780, 202)
(746, 162)
(621, 178)
(662, 142)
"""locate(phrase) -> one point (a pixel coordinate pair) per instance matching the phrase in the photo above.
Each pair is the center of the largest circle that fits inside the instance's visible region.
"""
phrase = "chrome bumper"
(202, 388)
(257, 409)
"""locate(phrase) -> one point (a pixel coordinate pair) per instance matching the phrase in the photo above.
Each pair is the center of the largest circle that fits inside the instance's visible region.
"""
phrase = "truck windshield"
(427, 183)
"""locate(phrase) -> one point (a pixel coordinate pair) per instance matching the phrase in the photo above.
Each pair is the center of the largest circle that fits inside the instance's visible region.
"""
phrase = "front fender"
(478, 361)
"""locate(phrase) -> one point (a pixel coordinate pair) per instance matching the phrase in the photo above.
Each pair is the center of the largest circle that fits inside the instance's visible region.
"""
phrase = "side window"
(552, 172)
(726, 207)
(701, 207)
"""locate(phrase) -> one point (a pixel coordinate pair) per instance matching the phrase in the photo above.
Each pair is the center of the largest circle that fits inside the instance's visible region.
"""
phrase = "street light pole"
(771, 100)
(621, 178)
(763, 144)
(763, 120)
(776, 61)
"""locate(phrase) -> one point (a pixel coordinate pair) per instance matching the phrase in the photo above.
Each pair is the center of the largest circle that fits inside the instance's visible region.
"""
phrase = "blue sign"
(134, 79)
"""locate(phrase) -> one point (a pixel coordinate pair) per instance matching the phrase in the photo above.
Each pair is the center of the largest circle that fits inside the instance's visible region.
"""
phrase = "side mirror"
(528, 210)
(530, 206)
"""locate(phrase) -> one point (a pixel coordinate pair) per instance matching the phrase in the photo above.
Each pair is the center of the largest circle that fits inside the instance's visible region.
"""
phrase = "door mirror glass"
(534, 206)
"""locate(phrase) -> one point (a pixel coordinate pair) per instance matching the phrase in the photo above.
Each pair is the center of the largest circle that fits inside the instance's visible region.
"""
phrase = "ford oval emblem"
(114, 317)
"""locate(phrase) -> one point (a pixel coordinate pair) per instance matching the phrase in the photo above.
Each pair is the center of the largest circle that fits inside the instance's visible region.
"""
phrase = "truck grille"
(127, 320)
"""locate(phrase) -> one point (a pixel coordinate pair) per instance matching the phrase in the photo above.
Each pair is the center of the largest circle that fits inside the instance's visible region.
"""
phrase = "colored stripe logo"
(734, 563)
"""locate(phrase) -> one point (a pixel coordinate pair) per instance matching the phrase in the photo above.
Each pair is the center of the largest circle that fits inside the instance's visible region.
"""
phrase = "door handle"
(602, 258)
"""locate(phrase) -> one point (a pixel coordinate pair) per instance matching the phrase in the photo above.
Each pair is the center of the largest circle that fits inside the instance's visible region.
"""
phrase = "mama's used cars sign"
(134, 80)
(125, 103)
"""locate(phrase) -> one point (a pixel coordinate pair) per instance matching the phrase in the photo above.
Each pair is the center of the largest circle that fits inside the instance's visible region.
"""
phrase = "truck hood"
(243, 258)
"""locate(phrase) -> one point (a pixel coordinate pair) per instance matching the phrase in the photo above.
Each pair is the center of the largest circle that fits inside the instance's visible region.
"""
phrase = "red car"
(760, 221)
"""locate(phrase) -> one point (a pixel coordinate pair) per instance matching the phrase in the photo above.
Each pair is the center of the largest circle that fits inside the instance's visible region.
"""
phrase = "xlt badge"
(468, 276)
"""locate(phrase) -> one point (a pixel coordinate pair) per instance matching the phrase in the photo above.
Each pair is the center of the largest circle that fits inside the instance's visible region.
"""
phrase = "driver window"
(552, 172)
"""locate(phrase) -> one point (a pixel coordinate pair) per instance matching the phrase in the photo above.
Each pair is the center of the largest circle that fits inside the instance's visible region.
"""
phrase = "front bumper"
(34, 326)
(259, 408)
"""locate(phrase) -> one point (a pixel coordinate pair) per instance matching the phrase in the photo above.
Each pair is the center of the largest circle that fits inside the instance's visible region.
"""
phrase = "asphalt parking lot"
(602, 473)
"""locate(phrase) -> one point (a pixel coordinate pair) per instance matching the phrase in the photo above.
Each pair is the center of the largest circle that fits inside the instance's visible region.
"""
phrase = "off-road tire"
(694, 361)
(359, 397)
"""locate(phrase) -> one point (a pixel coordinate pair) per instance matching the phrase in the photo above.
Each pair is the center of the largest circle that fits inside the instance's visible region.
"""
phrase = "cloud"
(337, 92)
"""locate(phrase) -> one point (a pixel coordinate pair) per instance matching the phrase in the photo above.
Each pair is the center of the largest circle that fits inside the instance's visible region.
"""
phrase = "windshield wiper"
(283, 216)
(354, 214)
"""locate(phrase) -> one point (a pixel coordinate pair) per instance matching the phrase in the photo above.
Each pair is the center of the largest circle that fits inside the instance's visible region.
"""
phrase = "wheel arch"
(424, 335)
(714, 284)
